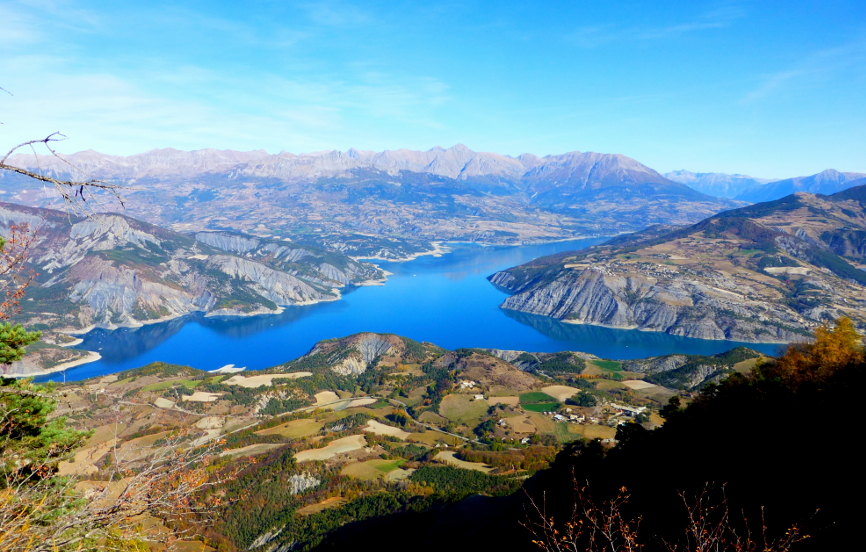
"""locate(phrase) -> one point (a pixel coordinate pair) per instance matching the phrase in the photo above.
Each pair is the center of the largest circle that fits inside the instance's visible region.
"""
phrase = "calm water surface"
(444, 300)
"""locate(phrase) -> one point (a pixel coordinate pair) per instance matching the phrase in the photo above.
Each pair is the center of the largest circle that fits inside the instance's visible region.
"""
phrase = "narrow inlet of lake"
(444, 300)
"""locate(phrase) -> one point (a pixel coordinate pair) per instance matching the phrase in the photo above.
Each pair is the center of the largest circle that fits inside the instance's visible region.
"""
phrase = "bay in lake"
(444, 300)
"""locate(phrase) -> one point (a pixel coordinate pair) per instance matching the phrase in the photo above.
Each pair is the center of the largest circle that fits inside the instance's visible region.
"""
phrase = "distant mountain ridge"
(458, 162)
(717, 184)
(755, 190)
(825, 182)
(353, 199)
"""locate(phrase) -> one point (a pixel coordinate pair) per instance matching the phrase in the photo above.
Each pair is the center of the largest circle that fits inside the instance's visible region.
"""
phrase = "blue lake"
(444, 300)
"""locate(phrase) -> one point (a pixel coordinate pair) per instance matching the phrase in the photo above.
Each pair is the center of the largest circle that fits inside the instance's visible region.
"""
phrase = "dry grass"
(265, 379)
(639, 384)
(433, 438)
(202, 396)
(521, 424)
(379, 428)
(338, 446)
(745, 366)
(361, 402)
(294, 429)
(592, 431)
(325, 397)
(510, 401)
(560, 392)
(252, 450)
(372, 469)
(447, 457)
(463, 409)
(333, 502)
(607, 385)
(542, 423)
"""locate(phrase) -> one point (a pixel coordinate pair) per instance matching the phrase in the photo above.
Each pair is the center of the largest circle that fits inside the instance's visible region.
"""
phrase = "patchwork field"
(509, 401)
(536, 397)
(447, 457)
(379, 428)
(325, 397)
(338, 446)
(333, 502)
(252, 450)
(592, 431)
(463, 409)
(745, 366)
(560, 392)
(294, 429)
(372, 469)
(521, 424)
(163, 403)
(265, 379)
(361, 402)
(638, 384)
(540, 407)
(201, 396)
(597, 367)
(433, 438)
(189, 384)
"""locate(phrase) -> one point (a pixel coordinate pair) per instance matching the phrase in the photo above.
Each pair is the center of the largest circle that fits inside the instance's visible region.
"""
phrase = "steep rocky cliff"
(765, 273)
(111, 271)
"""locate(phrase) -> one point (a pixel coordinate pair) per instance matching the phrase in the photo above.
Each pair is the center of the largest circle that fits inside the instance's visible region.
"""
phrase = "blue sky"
(771, 89)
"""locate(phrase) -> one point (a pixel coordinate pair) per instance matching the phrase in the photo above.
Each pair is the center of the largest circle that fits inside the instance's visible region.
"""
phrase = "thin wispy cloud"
(337, 14)
(594, 36)
(816, 69)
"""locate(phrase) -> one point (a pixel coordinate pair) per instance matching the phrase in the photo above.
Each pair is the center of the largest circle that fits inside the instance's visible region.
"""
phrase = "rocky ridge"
(111, 271)
(764, 273)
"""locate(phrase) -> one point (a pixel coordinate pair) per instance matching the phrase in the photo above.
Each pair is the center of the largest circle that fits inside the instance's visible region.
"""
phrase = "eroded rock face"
(769, 272)
(688, 308)
(352, 355)
(111, 271)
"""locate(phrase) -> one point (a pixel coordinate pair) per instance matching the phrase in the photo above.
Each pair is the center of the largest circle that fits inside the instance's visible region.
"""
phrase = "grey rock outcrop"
(687, 308)
(111, 271)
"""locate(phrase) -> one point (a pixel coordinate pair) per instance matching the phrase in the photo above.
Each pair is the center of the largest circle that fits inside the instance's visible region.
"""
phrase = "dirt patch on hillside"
(265, 379)
(560, 392)
(510, 401)
(338, 446)
(447, 457)
(379, 428)
(202, 396)
(325, 397)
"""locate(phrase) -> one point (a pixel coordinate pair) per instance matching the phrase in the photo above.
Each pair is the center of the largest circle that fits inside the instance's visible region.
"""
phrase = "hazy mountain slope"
(417, 197)
(826, 182)
(717, 184)
(113, 270)
(763, 273)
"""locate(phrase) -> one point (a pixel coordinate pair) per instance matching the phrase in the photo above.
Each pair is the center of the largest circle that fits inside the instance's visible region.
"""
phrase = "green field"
(536, 397)
(540, 407)
(609, 365)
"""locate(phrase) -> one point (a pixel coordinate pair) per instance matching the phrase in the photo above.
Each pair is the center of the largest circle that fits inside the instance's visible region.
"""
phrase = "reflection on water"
(622, 344)
(444, 300)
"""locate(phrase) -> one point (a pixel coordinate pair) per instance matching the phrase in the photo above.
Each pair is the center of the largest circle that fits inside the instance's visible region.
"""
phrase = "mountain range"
(754, 190)
(718, 184)
(769, 272)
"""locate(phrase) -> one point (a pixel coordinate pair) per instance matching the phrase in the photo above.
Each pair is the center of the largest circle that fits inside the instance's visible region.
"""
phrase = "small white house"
(479, 397)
